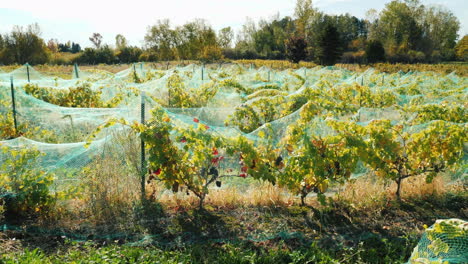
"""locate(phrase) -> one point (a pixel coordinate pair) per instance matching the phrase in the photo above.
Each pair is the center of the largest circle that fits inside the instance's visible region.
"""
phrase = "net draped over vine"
(215, 92)
(444, 242)
(50, 120)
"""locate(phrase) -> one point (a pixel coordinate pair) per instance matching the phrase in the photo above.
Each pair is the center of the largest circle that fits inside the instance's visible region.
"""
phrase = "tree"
(95, 56)
(225, 37)
(296, 49)
(303, 13)
(397, 24)
(269, 40)
(161, 39)
(211, 53)
(462, 49)
(52, 45)
(440, 27)
(330, 47)
(24, 45)
(64, 47)
(375, 51)
(75, 48)
(96, 39)
(129, 54)
(120, 42)
(2, 42)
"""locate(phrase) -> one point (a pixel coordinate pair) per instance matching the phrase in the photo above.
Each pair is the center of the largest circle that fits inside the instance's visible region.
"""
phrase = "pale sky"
(77, 20)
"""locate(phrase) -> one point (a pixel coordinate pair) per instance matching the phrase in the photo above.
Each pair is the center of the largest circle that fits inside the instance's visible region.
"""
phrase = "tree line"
(404, 31)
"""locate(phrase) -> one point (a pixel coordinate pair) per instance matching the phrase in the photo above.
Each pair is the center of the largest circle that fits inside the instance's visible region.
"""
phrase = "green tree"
(440, 26)
(296, 49)
(375, 51)
(120, 42)
(397, 24)
(75, 48)
(269, 40)
(95, 56)
(161, 39)
(129, 54)
(330, 46)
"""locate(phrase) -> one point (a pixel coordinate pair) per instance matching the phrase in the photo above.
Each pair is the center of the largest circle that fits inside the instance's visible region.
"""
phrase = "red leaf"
(244, 169)
(215, 151)
(157, 172)
(196, 120)
(243, 175)
(207, 127)
(214, 160)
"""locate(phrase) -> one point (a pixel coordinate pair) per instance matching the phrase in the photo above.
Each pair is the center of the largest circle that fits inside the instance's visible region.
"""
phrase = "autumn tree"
(24, 45)
(303, 13)
(96, 39)
(462, 49)
(225, 37)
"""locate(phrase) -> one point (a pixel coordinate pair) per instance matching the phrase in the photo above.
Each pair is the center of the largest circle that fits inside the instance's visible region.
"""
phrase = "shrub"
(24, 187)
(95, 56)
(129, 54)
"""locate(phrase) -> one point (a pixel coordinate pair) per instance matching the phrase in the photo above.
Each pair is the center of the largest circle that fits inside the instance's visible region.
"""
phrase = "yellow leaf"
(261, 134)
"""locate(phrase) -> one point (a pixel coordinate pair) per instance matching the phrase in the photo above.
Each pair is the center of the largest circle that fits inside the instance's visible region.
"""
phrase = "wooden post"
(27, 71)
(14, 105)
(143, 158)
(76, 71)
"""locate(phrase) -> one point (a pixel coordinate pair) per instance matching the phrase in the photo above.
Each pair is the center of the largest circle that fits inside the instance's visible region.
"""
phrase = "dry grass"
(369, 192)
(111, 184)
(110, 191)
(263, 194)
(364, 192)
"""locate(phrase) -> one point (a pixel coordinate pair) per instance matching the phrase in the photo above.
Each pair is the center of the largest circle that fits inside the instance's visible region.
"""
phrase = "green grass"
(212, 253)
(337, 233)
